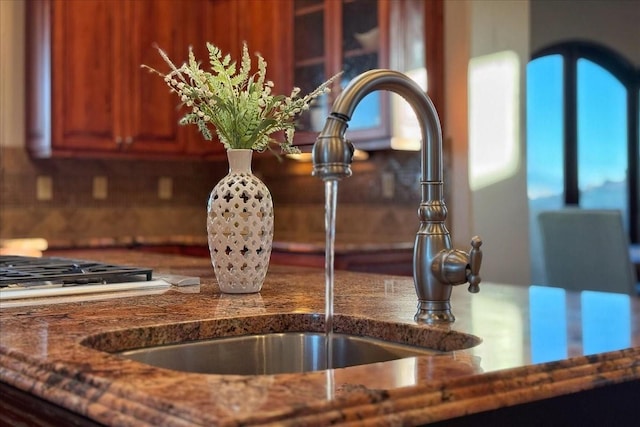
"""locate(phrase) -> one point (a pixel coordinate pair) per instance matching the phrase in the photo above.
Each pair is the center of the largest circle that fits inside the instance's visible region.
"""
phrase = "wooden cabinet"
(265, 26)
(88, 94)
(20, 408)
(354, 36)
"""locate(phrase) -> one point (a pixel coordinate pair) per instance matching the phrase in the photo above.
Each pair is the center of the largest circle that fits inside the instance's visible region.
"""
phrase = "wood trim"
(434, 52)
(20, 408)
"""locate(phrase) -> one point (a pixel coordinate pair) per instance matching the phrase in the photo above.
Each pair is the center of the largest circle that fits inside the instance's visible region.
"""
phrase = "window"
(602, 138)
(582, 131)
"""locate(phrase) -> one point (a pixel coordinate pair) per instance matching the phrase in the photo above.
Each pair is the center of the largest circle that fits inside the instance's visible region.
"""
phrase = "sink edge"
(432, 337)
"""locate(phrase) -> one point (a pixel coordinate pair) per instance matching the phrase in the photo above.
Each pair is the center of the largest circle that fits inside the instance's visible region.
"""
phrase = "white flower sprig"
(239, 104)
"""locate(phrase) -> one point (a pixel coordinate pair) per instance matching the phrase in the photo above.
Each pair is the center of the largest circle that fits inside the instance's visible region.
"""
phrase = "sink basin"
(276, 343)
(274, 353)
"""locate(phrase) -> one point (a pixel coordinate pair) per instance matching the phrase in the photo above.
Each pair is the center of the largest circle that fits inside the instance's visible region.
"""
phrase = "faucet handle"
(475, 260)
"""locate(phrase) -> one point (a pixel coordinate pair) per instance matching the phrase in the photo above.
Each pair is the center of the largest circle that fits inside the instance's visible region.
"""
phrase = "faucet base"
(432, 312)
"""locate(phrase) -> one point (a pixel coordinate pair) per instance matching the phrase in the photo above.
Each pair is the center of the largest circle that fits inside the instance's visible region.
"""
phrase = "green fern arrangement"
(239, 104)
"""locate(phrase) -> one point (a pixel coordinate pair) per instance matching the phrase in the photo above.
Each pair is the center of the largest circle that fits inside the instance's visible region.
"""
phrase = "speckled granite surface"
(536, 343)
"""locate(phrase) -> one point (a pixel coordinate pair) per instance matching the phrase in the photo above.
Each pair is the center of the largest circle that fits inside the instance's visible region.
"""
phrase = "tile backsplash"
(87, 202)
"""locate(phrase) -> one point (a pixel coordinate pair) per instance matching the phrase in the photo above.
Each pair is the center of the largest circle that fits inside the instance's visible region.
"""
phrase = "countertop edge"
(438, 401)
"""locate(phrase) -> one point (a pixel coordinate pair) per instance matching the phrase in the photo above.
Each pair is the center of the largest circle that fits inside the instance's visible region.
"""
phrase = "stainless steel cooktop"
(23, 270)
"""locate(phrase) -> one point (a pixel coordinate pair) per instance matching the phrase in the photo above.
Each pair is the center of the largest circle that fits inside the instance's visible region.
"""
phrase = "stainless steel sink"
(275, 343)
(273, 353)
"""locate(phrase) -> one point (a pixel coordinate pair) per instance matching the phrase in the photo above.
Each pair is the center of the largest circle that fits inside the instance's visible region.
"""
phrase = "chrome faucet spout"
(436, 267)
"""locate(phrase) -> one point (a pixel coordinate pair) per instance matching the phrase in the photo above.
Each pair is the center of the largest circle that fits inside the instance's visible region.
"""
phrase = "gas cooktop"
(31, 270)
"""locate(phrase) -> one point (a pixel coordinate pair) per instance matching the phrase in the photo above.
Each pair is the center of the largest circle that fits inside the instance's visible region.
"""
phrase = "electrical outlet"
(165, 188)
(388, 185)
(44, 188)
(100, 186)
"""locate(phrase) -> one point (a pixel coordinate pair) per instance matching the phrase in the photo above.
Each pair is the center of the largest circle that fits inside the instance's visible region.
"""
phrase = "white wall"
(12, 70)
(457, 38)
(613, 23)
(499, 211)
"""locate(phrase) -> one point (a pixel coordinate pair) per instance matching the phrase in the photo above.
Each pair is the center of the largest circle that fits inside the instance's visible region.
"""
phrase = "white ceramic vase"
(240, 227)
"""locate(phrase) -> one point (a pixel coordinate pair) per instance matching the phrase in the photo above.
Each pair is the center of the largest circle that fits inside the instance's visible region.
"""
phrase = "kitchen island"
(537, 344)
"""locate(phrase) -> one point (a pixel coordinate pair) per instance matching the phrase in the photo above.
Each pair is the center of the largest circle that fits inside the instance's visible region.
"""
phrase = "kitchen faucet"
(436, 267)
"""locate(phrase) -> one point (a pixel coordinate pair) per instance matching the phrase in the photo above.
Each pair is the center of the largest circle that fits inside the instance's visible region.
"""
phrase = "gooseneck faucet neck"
(392, 81)
(436, 266)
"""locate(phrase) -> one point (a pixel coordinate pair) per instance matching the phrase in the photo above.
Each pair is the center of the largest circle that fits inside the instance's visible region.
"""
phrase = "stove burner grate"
(23, 269)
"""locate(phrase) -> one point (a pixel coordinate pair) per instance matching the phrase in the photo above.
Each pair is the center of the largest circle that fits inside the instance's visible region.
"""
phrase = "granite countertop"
(537, 342)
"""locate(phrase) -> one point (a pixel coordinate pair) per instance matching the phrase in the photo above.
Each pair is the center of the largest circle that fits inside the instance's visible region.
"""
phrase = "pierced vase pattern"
(240, 227)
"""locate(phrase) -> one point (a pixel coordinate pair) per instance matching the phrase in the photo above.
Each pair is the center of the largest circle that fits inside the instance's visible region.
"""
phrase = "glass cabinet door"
(311, 67)
(361, 52)
(332, 36)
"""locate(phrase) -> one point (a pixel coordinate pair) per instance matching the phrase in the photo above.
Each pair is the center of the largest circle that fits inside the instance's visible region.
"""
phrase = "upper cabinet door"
(85, 86)
(265, 26)
(151, 111)
(365, 46)
(344, 35)
(88, 94)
